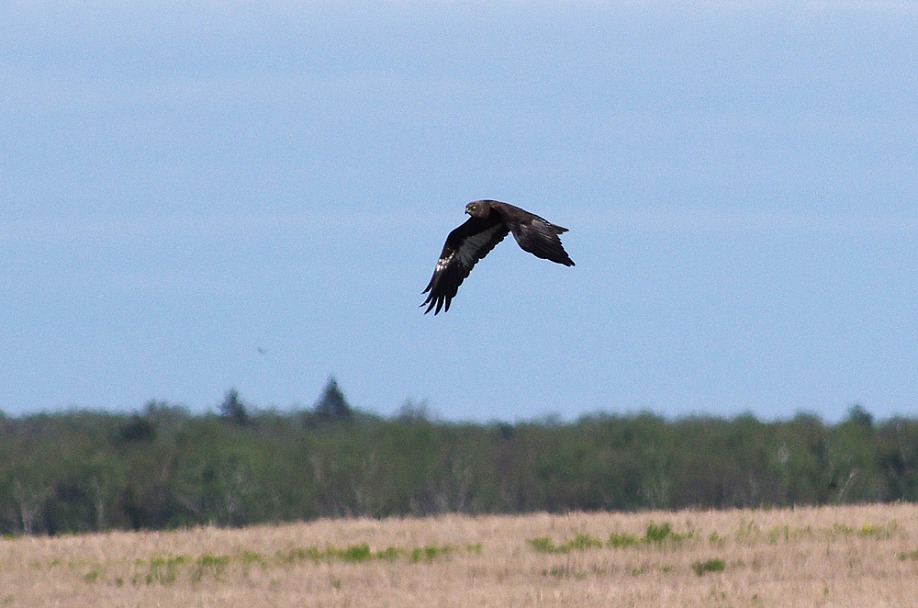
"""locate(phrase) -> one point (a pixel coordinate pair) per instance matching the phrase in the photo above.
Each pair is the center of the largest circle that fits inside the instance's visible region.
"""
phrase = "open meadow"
(852, 556)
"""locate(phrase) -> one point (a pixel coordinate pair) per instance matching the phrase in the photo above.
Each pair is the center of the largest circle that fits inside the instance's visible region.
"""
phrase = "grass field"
(856, 556)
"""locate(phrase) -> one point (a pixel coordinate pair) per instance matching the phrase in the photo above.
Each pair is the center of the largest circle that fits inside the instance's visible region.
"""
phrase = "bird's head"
(477, 209)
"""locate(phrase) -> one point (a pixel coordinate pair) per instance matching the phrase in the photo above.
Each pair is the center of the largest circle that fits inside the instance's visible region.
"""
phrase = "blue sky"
(199, 196)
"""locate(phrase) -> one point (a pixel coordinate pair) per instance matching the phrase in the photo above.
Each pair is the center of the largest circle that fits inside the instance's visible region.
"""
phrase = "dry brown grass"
(845, 556)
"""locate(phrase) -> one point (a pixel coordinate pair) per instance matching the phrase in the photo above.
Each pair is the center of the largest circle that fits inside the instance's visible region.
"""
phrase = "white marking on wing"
(444, 262)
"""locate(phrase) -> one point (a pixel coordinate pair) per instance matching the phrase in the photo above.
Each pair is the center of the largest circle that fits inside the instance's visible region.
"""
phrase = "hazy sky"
(206, 195)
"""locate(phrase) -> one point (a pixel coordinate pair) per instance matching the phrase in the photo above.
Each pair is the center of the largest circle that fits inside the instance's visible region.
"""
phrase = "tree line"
(164, 467)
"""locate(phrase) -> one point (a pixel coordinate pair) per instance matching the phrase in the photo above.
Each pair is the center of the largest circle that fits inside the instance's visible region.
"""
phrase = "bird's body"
(489, 222)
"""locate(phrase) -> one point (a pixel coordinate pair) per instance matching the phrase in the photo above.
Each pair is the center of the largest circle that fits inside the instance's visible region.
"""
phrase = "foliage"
(163, 467)
(333, 405)
(543, 544)
(233, 409)
(710, 565)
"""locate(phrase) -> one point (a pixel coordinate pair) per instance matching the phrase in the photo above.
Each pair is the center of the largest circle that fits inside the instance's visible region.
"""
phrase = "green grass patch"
(618, 540)
(909, 555)
(165, 570)
(639, 570)
(879, 532)
(579, 542)
(543, 544)
(570, 570)
(658, 534)
(93, 575)
(868, 530)
(711, 565)
(389, 553)
(159, 570)
(784, 533)
(210, 565)
(747, 531)
(429, 552)
(842, 530)
(363, 552)
(664, 533)
(585, 541)
(654, 535)
(297, 554)
(354, 553)
(251, 558)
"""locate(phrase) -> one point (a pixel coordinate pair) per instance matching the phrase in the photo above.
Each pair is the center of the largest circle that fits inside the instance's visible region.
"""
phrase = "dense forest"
(164, 467)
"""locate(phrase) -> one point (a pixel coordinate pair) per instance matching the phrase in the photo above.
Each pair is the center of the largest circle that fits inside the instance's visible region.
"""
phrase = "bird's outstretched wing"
(464, 246)
(540, 238)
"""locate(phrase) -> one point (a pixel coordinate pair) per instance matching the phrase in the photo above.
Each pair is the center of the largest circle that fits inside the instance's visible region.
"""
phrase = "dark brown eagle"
(489, 223)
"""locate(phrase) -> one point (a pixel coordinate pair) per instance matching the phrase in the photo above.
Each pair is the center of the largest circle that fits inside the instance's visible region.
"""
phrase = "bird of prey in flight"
(488, 224)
